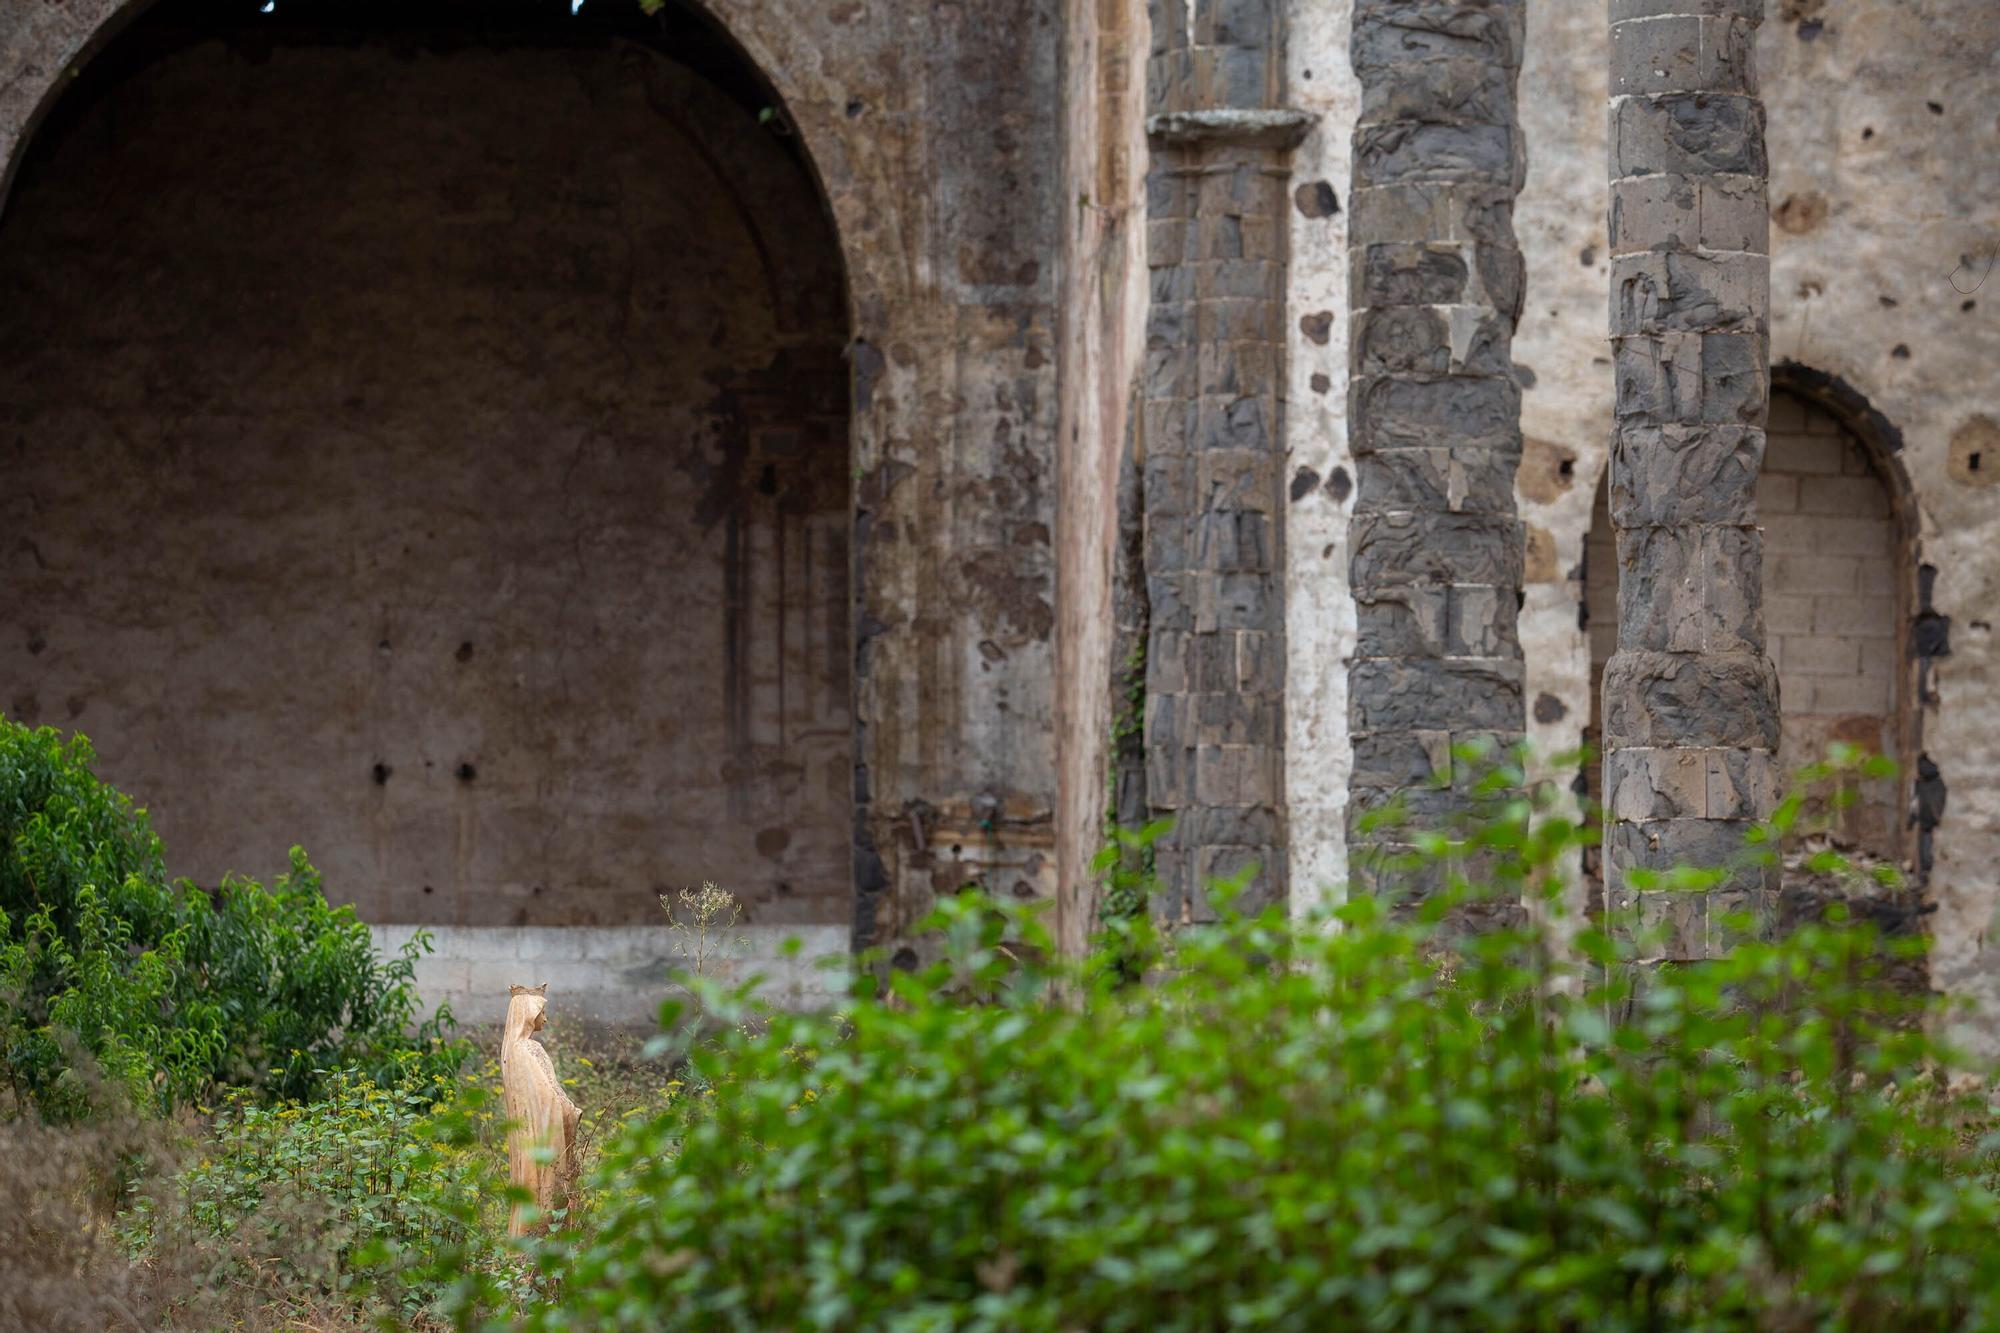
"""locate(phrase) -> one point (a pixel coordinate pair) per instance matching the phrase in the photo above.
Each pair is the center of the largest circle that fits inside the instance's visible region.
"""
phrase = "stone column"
(1433, 408)
(1690, 700)
(1211, 447)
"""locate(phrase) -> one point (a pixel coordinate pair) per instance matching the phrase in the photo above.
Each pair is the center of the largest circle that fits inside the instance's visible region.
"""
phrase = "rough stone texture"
(938, 153)
(1832, 580)
(499, 554)
(1210, 449)
(1435, 288)
(1690, 714)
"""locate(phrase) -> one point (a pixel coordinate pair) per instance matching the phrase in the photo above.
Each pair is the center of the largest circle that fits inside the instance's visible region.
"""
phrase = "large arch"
(431, 446)
(938, 154)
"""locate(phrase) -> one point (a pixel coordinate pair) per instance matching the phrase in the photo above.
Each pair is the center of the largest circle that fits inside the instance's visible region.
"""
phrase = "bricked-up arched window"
(1835, 571)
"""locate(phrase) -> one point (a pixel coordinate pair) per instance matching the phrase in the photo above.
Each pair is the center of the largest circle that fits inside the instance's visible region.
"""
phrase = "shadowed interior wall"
(434, 453)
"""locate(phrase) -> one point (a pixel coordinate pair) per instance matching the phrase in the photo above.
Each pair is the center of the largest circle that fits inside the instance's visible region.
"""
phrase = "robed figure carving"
(539, 1113)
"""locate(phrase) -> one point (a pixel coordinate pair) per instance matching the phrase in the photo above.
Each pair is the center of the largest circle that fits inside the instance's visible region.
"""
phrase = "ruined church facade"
(542, 457)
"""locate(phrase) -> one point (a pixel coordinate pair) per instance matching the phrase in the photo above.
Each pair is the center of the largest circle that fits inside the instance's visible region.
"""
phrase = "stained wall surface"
(436, 456)
(1885, 216)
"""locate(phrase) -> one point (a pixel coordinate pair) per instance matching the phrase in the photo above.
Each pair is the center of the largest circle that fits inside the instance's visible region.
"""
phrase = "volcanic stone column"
(1212, 455)
(1690, 700)
(1434, 410)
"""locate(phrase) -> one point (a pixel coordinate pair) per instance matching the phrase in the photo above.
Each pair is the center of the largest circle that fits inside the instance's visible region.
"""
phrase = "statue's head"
(527, 1008)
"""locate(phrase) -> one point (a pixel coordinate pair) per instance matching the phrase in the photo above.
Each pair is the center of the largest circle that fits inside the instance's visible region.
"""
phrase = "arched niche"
(1841, 596)
(428, 441)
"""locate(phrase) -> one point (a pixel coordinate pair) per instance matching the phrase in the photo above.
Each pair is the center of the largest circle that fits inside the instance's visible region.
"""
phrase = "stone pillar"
(1211, 475)
(1434, 410)
(1690, 700)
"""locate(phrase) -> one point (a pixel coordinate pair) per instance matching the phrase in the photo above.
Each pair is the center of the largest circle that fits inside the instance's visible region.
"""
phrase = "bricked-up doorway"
(424, 439)
(1838, 575)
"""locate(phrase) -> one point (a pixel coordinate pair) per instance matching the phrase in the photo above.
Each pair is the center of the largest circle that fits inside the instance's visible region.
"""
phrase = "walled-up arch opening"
(423, 437)
(1839, 592)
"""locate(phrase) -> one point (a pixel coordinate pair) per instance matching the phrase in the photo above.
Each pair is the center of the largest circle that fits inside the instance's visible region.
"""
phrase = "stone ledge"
(1278, 127)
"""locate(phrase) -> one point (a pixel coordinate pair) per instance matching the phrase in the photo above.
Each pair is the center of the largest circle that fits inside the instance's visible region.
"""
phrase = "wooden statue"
(539, 1113)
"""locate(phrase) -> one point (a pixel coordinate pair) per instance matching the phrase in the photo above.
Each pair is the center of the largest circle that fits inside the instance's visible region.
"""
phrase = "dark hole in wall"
(379, 323)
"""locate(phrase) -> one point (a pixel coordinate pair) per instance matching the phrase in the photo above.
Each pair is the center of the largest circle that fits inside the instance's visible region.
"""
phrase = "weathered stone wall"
(438, 460)
(937, 148)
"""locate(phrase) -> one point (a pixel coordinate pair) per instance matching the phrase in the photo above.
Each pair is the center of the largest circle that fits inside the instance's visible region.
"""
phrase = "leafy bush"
(1378, 1123)
(334, 1203)
(166, 989)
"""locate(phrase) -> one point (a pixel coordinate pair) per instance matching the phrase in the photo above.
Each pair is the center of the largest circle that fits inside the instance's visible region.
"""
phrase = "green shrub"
(1370, 1123)
(163, 989)
(342, 1202)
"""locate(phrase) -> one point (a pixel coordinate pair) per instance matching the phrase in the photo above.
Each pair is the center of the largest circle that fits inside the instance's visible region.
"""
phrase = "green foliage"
(350, 1197)
(1382, 1120)
(163, 990)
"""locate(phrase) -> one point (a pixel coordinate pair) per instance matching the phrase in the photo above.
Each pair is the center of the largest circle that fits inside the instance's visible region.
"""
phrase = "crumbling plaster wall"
(938, 149)
(1886, 201)
(1319, 474)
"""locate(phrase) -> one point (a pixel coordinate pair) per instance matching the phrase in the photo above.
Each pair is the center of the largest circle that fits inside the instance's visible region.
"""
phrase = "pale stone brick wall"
(611, 976)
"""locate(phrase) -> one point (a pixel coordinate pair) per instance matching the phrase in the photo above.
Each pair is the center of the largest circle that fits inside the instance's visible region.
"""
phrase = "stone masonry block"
(1656, 292)
(1412, 151)
(1434, 210)
(1391, 760)
(1666, 844)
(1395, 550)
(1454, 90)
(1664, 475)
(1405, 340)
(1402, 622)
(1389, 34)
(1390, 412)
(1412, 273)
(1694, 588)
(1668, 699)
(1232, 542)
(1751, 10)
(1467, 481)
(1434, 621)
(1687, 134)
(1642, 784)
(1483, 622)
(1692, 378)
(1503, 272)
(1237, 718)
(1239, 601)
(1683, 52)
(1409, 694)
(1236, 775)
(1675, 212)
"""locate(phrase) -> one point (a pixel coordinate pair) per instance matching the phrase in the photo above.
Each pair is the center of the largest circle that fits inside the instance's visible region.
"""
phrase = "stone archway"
(431, 446)
(1840, 593)
(938, 154)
